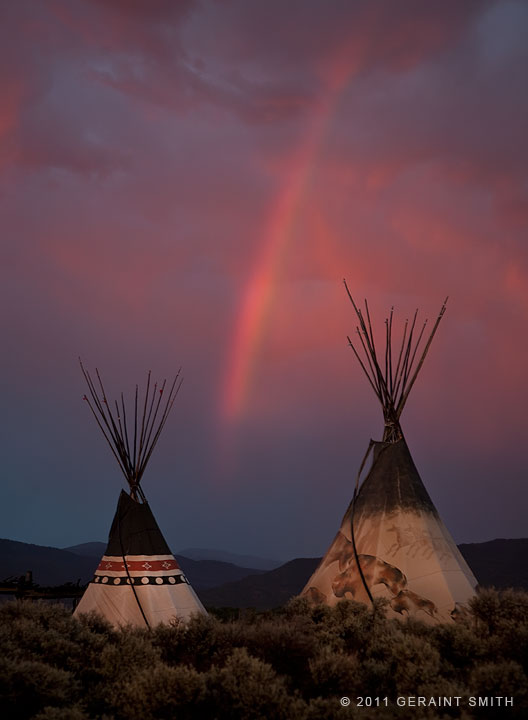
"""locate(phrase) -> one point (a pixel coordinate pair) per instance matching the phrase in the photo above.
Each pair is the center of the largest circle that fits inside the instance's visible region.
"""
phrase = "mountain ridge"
(96, 549)
(498, 563)
(55, 566)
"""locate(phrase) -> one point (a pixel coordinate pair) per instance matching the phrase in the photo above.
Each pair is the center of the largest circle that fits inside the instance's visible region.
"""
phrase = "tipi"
(392, 542)
(138, 580)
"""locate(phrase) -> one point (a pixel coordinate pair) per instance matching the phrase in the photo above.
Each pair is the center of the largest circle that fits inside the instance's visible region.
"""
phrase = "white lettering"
(489, 701)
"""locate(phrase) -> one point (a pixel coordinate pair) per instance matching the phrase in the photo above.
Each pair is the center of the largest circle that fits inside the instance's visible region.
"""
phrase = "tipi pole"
(404, 397)
(115, 430)
(352, 535)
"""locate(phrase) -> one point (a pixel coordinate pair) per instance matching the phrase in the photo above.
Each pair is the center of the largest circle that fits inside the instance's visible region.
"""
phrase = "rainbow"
(260, 289)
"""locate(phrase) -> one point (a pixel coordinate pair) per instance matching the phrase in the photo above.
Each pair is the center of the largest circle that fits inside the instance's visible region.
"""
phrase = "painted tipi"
(138, 580)
(392, 542)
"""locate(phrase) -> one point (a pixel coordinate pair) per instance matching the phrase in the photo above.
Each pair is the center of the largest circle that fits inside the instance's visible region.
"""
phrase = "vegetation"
(291, 664)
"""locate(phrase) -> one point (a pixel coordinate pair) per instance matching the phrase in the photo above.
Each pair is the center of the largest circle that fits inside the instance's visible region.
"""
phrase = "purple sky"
(187, 183)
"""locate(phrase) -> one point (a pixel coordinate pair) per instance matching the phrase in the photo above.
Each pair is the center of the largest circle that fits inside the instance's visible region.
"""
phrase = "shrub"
(496, 609)
(159, 692)
(26, 686)
(333, 674)
(501, 678)
(295, 663)
(249, 688)
(459, 647)
(69, 713)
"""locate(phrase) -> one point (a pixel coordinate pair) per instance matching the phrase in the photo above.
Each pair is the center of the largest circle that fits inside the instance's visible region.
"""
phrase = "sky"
(187, 184)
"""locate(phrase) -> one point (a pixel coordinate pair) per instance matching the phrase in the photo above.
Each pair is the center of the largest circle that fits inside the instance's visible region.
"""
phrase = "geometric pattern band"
(142, 566)
(111, 581)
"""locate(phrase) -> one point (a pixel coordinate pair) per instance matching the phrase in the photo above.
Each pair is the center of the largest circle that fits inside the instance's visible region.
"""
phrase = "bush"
(249, 688)
(294, 663)
(159, 692)
(26, 686)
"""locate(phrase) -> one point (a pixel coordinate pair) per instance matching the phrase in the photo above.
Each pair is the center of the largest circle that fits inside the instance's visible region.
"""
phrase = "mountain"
(251, 561)
(219, 584)
(202, 573)
(500, 563)
(96, 549)
(52, 566)
(89, 549)
(264, 591)
(210, 573)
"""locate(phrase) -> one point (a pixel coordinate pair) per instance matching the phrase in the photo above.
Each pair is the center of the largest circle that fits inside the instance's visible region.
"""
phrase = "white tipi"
(392, 542)
(138, 580)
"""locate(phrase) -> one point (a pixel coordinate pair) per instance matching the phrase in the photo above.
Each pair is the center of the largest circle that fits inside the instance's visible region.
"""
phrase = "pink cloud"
(145, 148)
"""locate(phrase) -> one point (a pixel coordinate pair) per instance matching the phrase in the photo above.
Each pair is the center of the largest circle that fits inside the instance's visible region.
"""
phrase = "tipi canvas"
(392, 542)
(138, 580)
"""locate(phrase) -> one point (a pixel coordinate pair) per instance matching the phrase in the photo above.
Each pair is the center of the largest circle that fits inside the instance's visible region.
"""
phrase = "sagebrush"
(294, 663)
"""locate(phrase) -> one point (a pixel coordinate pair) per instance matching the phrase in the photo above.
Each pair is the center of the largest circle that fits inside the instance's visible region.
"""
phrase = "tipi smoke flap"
(138, 580)
(392, 542)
